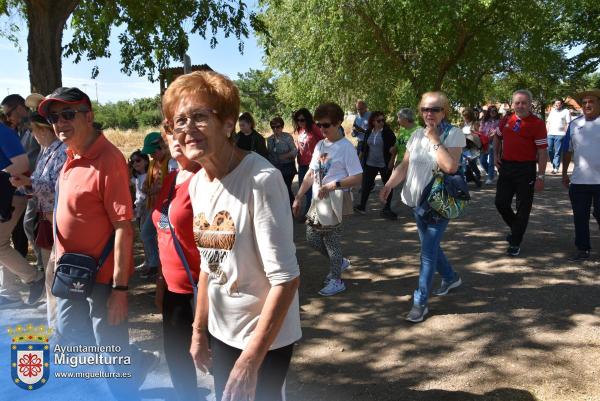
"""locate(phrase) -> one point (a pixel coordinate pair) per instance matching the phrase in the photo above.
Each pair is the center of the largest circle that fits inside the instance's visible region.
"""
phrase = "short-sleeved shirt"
(10, 146)
(93, 193)
(243, 228)
(362, 122)
(47, 170)
(521, 138)
(583, 140)
(333, 161)
(277, 146)
(402, 138)
(558, 122)
(307, 140)
(423, 160)
(181, 214)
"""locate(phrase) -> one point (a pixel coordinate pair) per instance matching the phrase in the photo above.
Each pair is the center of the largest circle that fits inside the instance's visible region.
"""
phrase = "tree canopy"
(152, 33)
(391, 51)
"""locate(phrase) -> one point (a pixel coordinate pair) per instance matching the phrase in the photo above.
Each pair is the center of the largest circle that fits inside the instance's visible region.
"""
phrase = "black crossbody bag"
(75, 273)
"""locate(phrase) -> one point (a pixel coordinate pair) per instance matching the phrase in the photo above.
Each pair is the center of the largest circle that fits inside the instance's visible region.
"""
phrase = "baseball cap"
(66, 96)
(151, 143)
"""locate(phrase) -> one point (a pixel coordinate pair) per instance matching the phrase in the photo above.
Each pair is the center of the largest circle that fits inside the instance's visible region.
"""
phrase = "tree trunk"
(47, 19)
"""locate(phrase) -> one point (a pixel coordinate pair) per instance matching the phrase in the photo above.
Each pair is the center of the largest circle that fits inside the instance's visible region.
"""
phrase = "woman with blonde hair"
(247, 307)
(437, 146)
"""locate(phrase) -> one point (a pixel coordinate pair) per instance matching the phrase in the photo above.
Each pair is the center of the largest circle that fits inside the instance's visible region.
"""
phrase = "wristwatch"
(541, 177)
(437, 146)
(120, 287)
(338, 184)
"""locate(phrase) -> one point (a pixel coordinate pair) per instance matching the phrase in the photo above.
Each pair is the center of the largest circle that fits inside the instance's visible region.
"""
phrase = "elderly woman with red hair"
(247, 306)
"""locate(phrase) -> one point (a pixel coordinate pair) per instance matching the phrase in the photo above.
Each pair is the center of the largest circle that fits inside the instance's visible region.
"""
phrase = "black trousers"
(270, 377)
(368, 182)
(516, 178)
(582, 198)
(178, 317)
(288, 171)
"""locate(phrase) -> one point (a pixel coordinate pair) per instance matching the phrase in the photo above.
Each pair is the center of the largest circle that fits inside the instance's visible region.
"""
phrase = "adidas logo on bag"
(77, 287)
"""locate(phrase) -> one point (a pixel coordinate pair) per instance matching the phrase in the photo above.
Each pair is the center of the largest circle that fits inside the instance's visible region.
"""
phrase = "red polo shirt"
(93, 193)
(522, 137)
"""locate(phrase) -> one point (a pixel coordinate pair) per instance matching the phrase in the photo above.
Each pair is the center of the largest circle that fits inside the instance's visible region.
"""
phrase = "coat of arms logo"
(30, 356)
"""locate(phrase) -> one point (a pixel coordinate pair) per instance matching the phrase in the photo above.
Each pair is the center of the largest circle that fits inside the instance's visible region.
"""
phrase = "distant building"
(168, 75)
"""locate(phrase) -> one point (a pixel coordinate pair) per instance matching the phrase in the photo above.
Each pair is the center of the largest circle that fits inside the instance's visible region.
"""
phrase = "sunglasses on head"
(67, 115)
(431, 110)
(324, 125)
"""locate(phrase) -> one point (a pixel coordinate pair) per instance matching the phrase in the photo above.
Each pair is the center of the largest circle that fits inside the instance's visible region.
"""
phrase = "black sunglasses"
(380, 120)
(300, 120)
(9, 113)
(276, 126)
(431, 110)
(324, 125)
(67, 115)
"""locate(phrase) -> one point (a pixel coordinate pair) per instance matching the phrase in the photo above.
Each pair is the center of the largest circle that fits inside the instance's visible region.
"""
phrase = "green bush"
(143, 112)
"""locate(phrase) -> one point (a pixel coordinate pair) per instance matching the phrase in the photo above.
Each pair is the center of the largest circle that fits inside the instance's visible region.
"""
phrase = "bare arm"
(542, 156)
(241, 384)
(199, 346)
(20, 165)
(397, 177)
(566, 160)
(117, 301)
(497, 152)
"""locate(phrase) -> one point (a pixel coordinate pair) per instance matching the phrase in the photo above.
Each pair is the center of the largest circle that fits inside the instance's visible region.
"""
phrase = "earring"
(228, 135)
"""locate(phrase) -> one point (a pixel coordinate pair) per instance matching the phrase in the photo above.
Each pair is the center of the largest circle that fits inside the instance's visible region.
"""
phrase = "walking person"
(360, 125)
(247, 313)
(557, 123)
(582, 146)
(519, 146)
(307, 137)
(13, 266)
(438, 145)
(282, 152)
(489, 127)
(42, 186)
(334, 167)
(173, 219)
(378, 141)
(248, 138)
(94, 198)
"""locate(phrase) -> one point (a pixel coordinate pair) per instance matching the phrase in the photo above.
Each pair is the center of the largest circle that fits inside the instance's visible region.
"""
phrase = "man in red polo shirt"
(93, 202)
(521, 143)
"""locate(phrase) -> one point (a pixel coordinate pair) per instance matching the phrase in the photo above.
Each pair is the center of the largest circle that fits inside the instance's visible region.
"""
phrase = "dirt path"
(525, 328)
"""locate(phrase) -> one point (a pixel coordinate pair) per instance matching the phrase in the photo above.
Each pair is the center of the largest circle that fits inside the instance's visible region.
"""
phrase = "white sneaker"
(333, 287)
(345, 266)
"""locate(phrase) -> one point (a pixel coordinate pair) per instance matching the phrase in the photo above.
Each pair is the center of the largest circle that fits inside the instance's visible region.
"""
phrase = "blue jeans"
(432, 256)
(487, 162)
(302, 170)
(582, 199)
(554, 146)
(150, 240)
(81, 322)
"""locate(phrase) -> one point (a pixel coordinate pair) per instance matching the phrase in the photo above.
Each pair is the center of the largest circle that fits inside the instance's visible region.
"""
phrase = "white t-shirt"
(558, 121)
(333, 161)
(584, 142)
(423, 161)
(243, 228)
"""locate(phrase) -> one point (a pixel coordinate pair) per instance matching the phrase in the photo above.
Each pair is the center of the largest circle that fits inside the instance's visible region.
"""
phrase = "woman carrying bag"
(180, 267)
(438, 145)
(334, 167)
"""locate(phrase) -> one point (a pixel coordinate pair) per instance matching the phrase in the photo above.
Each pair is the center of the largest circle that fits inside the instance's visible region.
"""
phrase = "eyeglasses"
(492, 109)
(276, 126)
(380, 120)
(200, 119)
(426, 110)
(136, 161)
(300, 120)
(66, 115)
(323, 125)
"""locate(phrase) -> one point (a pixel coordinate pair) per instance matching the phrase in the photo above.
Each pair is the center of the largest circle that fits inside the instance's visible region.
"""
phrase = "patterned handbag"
(449, 194)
